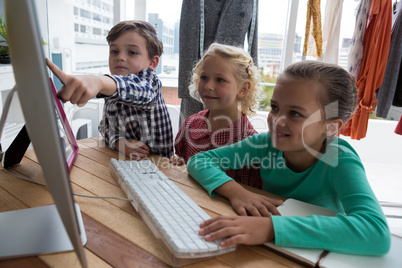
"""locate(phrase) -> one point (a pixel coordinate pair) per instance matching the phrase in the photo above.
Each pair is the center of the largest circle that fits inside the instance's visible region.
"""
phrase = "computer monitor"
(36, 97)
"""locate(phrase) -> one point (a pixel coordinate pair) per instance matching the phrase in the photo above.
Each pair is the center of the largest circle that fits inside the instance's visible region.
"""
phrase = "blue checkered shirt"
(138, 111)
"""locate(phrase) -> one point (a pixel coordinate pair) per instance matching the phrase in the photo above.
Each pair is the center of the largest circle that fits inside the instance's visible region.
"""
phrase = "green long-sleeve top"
(337, 180)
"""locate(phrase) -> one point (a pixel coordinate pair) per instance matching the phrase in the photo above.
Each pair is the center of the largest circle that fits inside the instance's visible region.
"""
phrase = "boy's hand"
(176, 160)
(133, 149)
(238, 230)
(81, 88)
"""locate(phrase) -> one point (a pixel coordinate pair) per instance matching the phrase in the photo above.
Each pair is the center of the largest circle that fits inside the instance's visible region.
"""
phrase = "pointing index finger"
(57, 71)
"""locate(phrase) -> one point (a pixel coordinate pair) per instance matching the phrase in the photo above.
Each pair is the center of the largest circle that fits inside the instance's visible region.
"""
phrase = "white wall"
(61, 34)
(380, 152)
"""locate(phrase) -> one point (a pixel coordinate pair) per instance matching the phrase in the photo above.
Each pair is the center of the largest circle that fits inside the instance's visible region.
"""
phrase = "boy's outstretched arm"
(81, 88)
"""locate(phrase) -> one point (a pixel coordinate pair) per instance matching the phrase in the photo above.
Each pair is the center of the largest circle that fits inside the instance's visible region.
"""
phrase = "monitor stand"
(16, 151)
(20, 144)
(46, 232)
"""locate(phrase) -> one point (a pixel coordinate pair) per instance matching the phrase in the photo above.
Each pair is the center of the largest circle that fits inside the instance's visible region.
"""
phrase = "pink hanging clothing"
(398, 129)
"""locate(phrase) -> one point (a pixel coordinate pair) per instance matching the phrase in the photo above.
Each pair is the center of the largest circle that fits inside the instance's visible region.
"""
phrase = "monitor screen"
(38, 106)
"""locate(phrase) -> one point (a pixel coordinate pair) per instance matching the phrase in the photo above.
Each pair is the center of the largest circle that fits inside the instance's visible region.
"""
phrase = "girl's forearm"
(230, 189)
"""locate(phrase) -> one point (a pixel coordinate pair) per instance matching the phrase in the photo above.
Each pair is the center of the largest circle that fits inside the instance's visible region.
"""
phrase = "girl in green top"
(300, 157)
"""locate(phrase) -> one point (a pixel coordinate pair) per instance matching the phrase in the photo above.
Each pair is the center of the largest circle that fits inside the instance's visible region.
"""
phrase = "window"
(165, 16)
(85, 14)
(96, 17)
(106, 20)
(271, 34)
(83, 29)
(97, 3)
(346, 30)
(107, 7)
(97, 31)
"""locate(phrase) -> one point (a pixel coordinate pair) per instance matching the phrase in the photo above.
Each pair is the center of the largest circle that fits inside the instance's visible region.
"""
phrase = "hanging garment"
(391, 88)
(398, 90)
(225, 22)
(376, 42)
(331, 31)
(313, 35)
(356, 50)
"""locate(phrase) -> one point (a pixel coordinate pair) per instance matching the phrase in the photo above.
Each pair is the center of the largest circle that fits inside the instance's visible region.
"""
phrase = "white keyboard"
(171, 215)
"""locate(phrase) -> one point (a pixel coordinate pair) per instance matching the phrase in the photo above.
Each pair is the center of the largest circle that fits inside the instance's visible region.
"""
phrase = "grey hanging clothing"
(390, 91)
(226, 22)
(398, 90)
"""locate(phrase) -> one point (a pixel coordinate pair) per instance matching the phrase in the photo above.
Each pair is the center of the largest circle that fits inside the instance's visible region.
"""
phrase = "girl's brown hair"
(340, 96)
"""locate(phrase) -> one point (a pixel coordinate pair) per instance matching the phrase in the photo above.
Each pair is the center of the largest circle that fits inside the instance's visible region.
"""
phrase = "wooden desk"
(117, 236)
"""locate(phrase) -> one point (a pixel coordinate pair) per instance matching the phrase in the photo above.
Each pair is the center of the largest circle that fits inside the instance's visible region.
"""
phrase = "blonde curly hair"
(244, 70)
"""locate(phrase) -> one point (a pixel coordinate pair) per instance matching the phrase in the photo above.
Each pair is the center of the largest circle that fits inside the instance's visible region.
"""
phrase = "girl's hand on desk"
(249, 203)
(246, 203)
(238, 230)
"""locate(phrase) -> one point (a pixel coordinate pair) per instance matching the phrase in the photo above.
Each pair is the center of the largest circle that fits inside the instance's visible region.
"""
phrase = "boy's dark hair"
(145, 29)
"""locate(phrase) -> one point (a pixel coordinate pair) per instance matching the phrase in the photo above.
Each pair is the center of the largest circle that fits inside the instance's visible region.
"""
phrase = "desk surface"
(117, 236)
